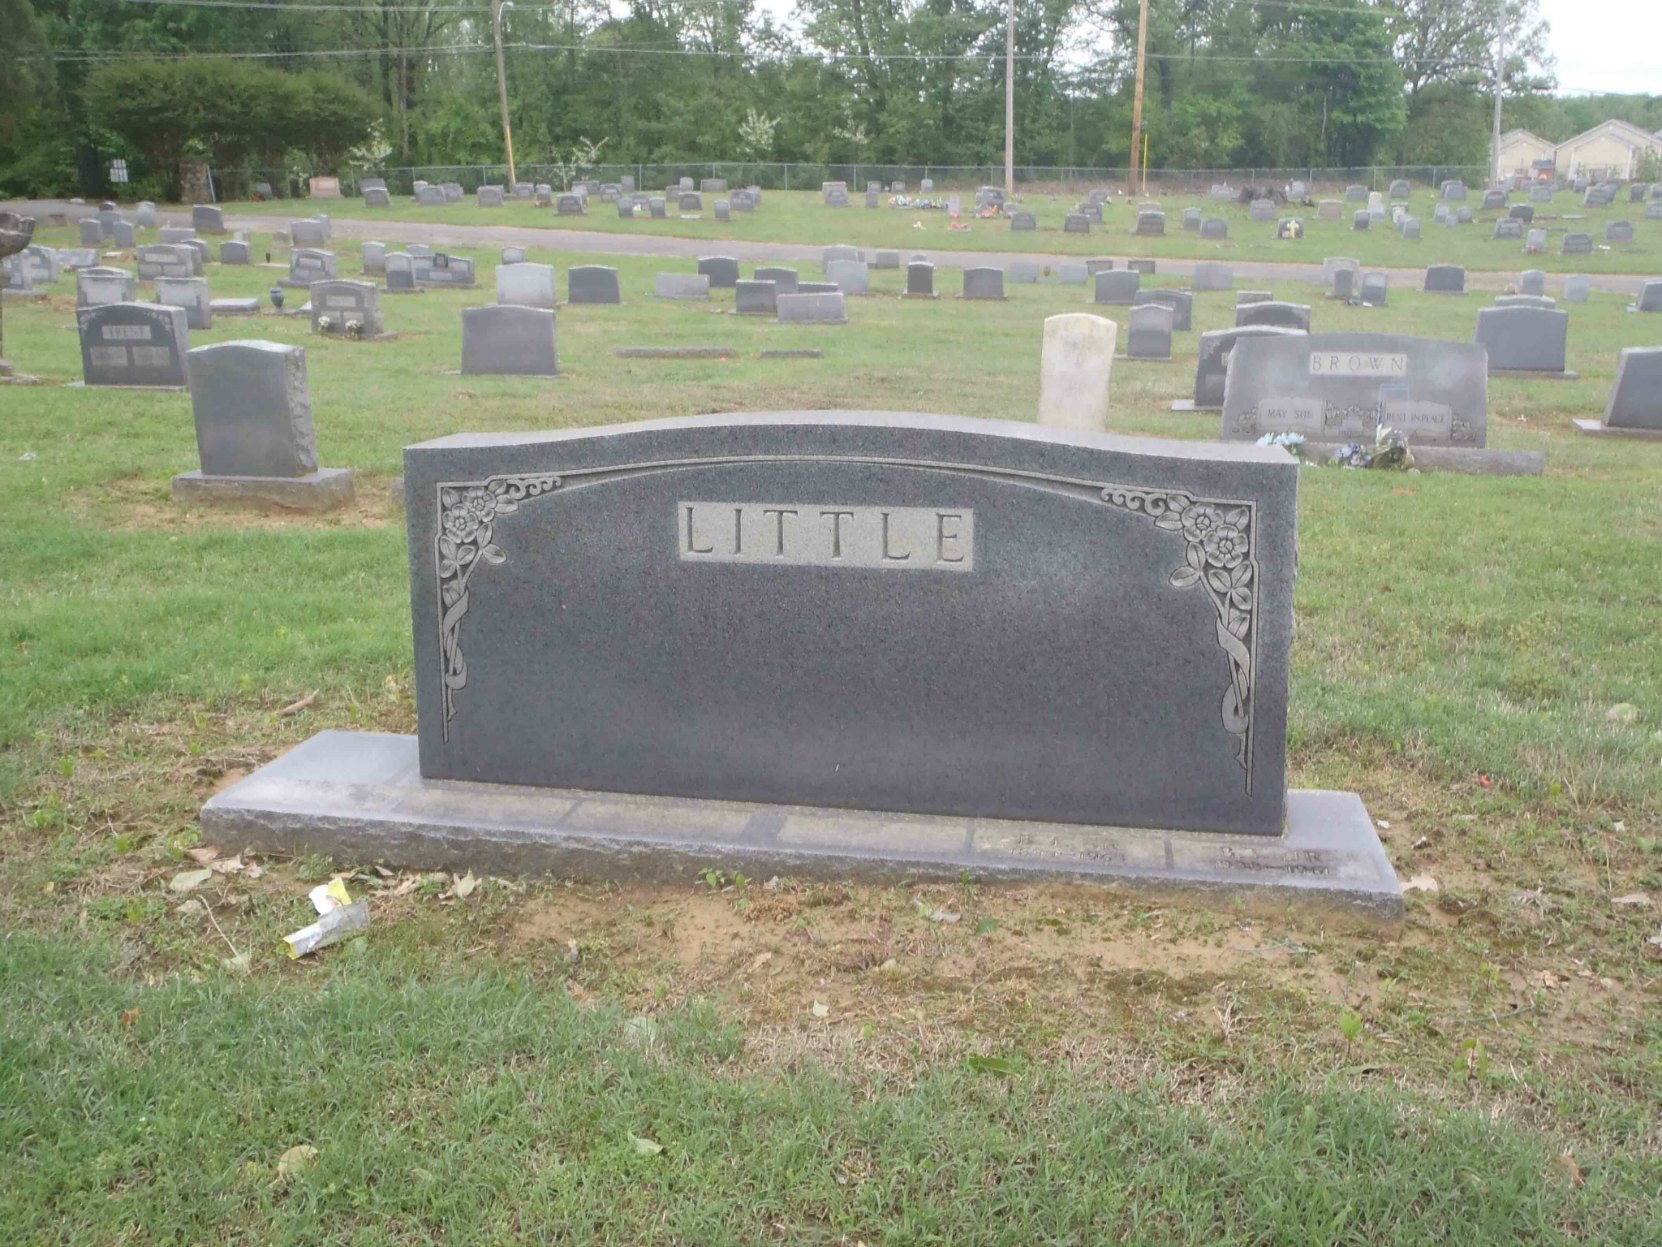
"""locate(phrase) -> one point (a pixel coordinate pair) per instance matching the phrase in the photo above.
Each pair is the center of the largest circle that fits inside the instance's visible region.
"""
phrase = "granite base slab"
(143, 389)
(911, 295)
(360, 796)
(1469, 460)
(234, 307)
(322, 490)
(1530, 374)
(674, 352)
(804, 353)
(1189, 405)
(1599, 428)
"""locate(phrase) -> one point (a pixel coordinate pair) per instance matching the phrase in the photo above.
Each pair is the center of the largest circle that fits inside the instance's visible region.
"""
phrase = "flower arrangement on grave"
(354, 329)
(1389, 453)
(1292, 443)
(325, 323)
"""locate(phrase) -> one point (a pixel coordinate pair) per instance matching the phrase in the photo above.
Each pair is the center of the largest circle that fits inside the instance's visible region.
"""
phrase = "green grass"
(1466, 647)
(800, 217)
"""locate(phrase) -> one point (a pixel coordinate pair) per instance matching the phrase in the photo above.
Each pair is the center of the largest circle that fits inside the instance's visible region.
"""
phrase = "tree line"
(370, 83)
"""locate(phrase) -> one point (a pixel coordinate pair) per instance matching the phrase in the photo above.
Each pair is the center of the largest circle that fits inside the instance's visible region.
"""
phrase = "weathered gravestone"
(1076, 223)
(849, 276)
(690, 203)
(1576, 244)
(832, 254)
(134, 345)
(1273, 312)
(667, 609)
(784, 279)
(1262, 210)
(1653, 210)
(527, 285)
(1211, 276)
(1181, 304)
(682, 286)
(1344, 387)
(308, 233)
(1151, 224)
(254, 431)
(95, 287)
(144, 216)
(1650, 297)
(1022, 272)
(1463, 216)
(513, 255)
(983, 283)
(347, 309)
(1244, 297)
(490, 197)
(820, 307)
(724, 210)
(1411, 229)
(1493, 200)
(1535, 242)
(920, 280)
(401, 279)
(1635, 408)
(1330, 210)
(886, 260)
(1454, 192)
(1524, 300)
(234, 251)
(1508, 228)
(441, 269)
(1522, 212)
(756, 298)
(1344, 285)
(1214, 228)
(1445, 279)
(722, 270)
(1375, 289)
(1532, 340)
(173, 235)
(569, 205)
(377, 197)
(1532, 281)
(1618, 231)
(430, 196)
(1356, 194)
(1075, 368)
(657, 207)
(1023, 221)
(510, 341)
(1361, 222)
(1212, 365)
(1577, 289)
(92, 233)
(1149, 333)
(1401, 190)
(190, 293)
(163, 260)
(1191, 220)
(1072, 273)
(1116, 288)
(1540, 194)
(207, 219)
(818, 287)
(307, 265)
(593, 283)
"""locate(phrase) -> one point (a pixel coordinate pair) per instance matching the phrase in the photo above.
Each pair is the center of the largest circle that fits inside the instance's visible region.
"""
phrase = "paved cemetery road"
(602, 243)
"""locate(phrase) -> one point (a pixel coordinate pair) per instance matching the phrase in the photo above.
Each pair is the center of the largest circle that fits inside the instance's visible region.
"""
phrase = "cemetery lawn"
(800, 217)
(731, 1060)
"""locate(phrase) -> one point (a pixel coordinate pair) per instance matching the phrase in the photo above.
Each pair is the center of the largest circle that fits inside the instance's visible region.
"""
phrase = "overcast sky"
(1601, 45)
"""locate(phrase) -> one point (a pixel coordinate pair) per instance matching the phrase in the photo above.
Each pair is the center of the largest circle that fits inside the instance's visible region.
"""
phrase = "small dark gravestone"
(1508, 228)
(1445, 279)
(1534, 281)
(121, 235)
(1361, 222)
(346, 309)
(920, 280)
(831, 254)
(1522, 212)
(1212, 367)
(1191, 219)
(1072, 273)
(400, 266)
(92, 233)
(657, 207)
(817, 287)
(524, 190)
(190, 293)
(724, 210)
(1653, 210)
(1618, 231)
(490, 197)
(1023, 221)
(1577, 244)
(1262, 210)
(690, 203)
(1181, 304)
(163, 260)
(377, 197)
(1375, 289)
(610, 192)
(784, 279)
(1650, 297)
(816, 308)
(722, 270)
(1149, 335)
(430, 196)
(1463, 216)
(1214, 228)
(133, 344)
(886, 260)
(1493, 200)
(1577, 289)
(1535, 242)
(94, 287)
(756, 298)
(1022, 273)
(1635, 408)
(713, 186)
(569, 205)
(1454, 192)
(1116, 289)
(682, 287)
(1342, 387)
(593, 283)
(307, 265)
(1356, 194)
(453, 193)
(1092, 211)
(983, 283)
(233, 252)
(1145, 267)
(173, 235)
(626, 209)
(207, 219)
(197, 249)
(254, 431)
(1524, 339)
(513, 255)
(1282, 315)
(1330, 210)
(1151, 224)
(508, 341)
(308, 233)
(1401, 191)
(1076, 223)
(1344, 285)
(1211, 276)
(441, 269)
(1540, 194)
(1098, 265)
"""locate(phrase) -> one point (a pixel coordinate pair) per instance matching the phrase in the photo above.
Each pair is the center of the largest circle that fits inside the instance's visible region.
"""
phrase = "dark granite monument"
(1635, 408)
(138, 345)
(508, 340)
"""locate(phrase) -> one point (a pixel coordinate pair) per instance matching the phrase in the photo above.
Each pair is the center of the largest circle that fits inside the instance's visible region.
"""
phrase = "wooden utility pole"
(1010, 102)
(502, 86)
(1500, 79)
(1137, 98)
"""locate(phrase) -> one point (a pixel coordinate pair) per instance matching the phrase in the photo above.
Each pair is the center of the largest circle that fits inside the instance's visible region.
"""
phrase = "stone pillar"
(195, 186)
(1074, 372)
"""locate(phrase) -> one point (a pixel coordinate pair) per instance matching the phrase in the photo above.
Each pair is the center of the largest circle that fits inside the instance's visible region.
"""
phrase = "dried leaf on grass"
(644, 1146)
(189, 880)
(294, 1161)
(295, 707)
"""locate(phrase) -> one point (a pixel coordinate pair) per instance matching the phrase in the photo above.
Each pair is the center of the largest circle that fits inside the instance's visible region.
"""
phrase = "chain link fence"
(234, 184)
